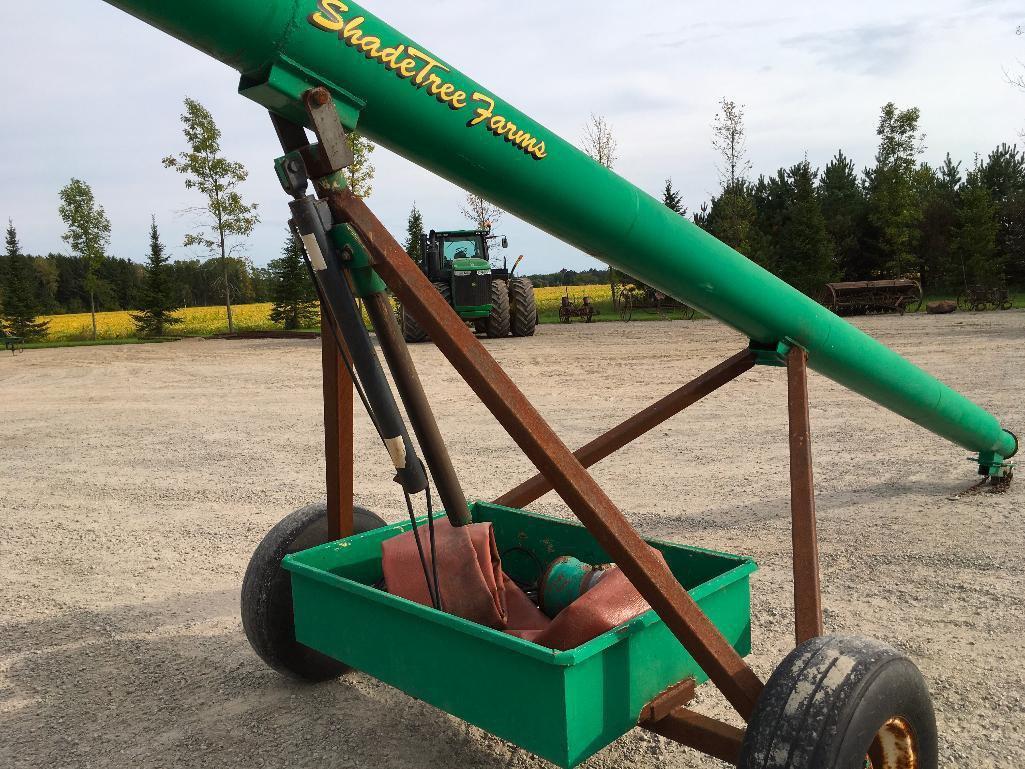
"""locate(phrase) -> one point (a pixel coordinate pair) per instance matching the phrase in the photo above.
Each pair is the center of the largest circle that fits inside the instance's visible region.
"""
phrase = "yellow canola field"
(198, 321)
(204, 321)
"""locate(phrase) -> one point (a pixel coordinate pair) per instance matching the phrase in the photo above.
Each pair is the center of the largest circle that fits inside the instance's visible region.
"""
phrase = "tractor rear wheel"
(267, 617)
(497, 325)
(843, 702)
(523, 307)
(411, 330)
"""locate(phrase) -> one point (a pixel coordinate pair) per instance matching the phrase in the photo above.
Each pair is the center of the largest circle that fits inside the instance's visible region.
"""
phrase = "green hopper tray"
(562, 705)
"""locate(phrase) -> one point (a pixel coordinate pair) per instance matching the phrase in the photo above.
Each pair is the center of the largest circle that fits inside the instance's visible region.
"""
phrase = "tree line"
(91, 279)
(948, 226)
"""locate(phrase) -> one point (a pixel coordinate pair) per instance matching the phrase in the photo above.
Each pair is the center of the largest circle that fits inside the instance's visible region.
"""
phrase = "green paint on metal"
(562, 705)
(471, 313)
(412, 102)
(356, 260)
(770, 354)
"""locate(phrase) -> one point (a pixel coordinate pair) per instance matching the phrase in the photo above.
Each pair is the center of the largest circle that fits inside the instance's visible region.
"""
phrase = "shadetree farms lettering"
(425, 73)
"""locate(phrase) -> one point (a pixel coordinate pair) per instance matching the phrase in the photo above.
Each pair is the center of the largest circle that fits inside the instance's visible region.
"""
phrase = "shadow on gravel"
(175, 684)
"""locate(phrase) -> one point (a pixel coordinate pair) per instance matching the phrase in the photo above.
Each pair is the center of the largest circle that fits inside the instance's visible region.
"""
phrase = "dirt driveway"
(135, 482)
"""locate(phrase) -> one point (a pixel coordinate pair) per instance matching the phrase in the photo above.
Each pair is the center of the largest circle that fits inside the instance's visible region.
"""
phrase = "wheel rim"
(895, 747)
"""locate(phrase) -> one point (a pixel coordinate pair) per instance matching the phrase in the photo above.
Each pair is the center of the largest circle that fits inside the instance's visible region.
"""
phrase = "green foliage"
(361, 173)
(414, 235)
(843, 209)
(227, 216)
(88, 234)
(566, 277)
(672, 199)
(20, 303)
(977, 229)
(731, 218)
(292, 289)
(894, 211)
(804, 248)
(937, 192)
(158, 303)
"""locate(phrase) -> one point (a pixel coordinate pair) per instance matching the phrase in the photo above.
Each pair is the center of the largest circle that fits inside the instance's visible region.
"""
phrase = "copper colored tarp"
(474, 587)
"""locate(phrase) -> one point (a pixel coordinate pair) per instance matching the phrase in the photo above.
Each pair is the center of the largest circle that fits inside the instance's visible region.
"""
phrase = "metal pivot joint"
(341, 264)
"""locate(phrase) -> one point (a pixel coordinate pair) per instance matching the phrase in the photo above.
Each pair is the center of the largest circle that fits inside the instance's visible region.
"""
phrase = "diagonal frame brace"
(640, 423)
(552, 457)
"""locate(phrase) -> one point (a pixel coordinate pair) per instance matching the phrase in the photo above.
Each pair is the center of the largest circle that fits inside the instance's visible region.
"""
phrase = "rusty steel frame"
(694, 730)
(552, 457)
(808, 622)
(640, 423)
(565, 472)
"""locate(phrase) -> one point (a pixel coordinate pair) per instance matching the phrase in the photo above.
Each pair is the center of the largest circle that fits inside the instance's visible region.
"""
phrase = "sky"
(95, 94)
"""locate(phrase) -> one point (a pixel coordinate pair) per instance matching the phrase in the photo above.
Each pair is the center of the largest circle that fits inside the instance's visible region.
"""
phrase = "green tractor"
(491, 300)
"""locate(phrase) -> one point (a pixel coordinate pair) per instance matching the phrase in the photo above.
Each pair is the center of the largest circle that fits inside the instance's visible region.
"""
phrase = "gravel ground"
(137, 480)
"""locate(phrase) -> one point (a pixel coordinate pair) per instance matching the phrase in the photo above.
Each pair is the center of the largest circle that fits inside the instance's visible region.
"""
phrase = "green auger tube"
(411, 101)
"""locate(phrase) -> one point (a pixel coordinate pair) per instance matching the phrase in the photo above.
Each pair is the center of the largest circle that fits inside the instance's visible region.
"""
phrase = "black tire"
(411, 330)
(446, 292)
(498, 322)
(522, 307)
(837, 701)
(964, 302)
(267, 593)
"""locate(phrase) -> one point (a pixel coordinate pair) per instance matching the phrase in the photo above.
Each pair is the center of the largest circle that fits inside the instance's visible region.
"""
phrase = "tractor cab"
(458, 261)
(490, 299)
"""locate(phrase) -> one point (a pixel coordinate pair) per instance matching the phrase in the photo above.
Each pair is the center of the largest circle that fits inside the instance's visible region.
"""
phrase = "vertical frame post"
(337, 432)
(808, 622)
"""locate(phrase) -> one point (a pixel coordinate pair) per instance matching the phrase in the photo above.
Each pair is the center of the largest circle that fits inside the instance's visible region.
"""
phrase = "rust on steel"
(650, 575)
(637, 425)
(807, 588)
(711, 737)
(337, 433)
(418, 408)
(676, 696)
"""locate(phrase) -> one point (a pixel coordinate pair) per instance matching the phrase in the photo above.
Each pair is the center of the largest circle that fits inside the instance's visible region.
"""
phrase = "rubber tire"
(497, 325)
(523, 307)
(267, 617)
(828, 699)
(411, 330)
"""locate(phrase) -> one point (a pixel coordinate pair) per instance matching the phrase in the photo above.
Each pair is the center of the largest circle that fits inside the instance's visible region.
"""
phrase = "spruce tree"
(672, 199)
(158, 291)
(804, 245)
(292, 289)
(843, 208)
(21, 303)
(937, 190)
(414, 235)
(977, 229)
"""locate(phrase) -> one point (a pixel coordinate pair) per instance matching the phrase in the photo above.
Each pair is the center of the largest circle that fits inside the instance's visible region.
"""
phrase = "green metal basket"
(562, 705)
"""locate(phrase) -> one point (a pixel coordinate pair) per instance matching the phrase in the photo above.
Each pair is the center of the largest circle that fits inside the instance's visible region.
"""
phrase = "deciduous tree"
(729, 138)
(599, 142)
(894, 210)
(88, 234)
(227, 218)
(479, 212)
(361, 173)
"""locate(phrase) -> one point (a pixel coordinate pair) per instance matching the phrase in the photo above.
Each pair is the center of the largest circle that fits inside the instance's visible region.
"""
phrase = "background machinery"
(490, 299)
